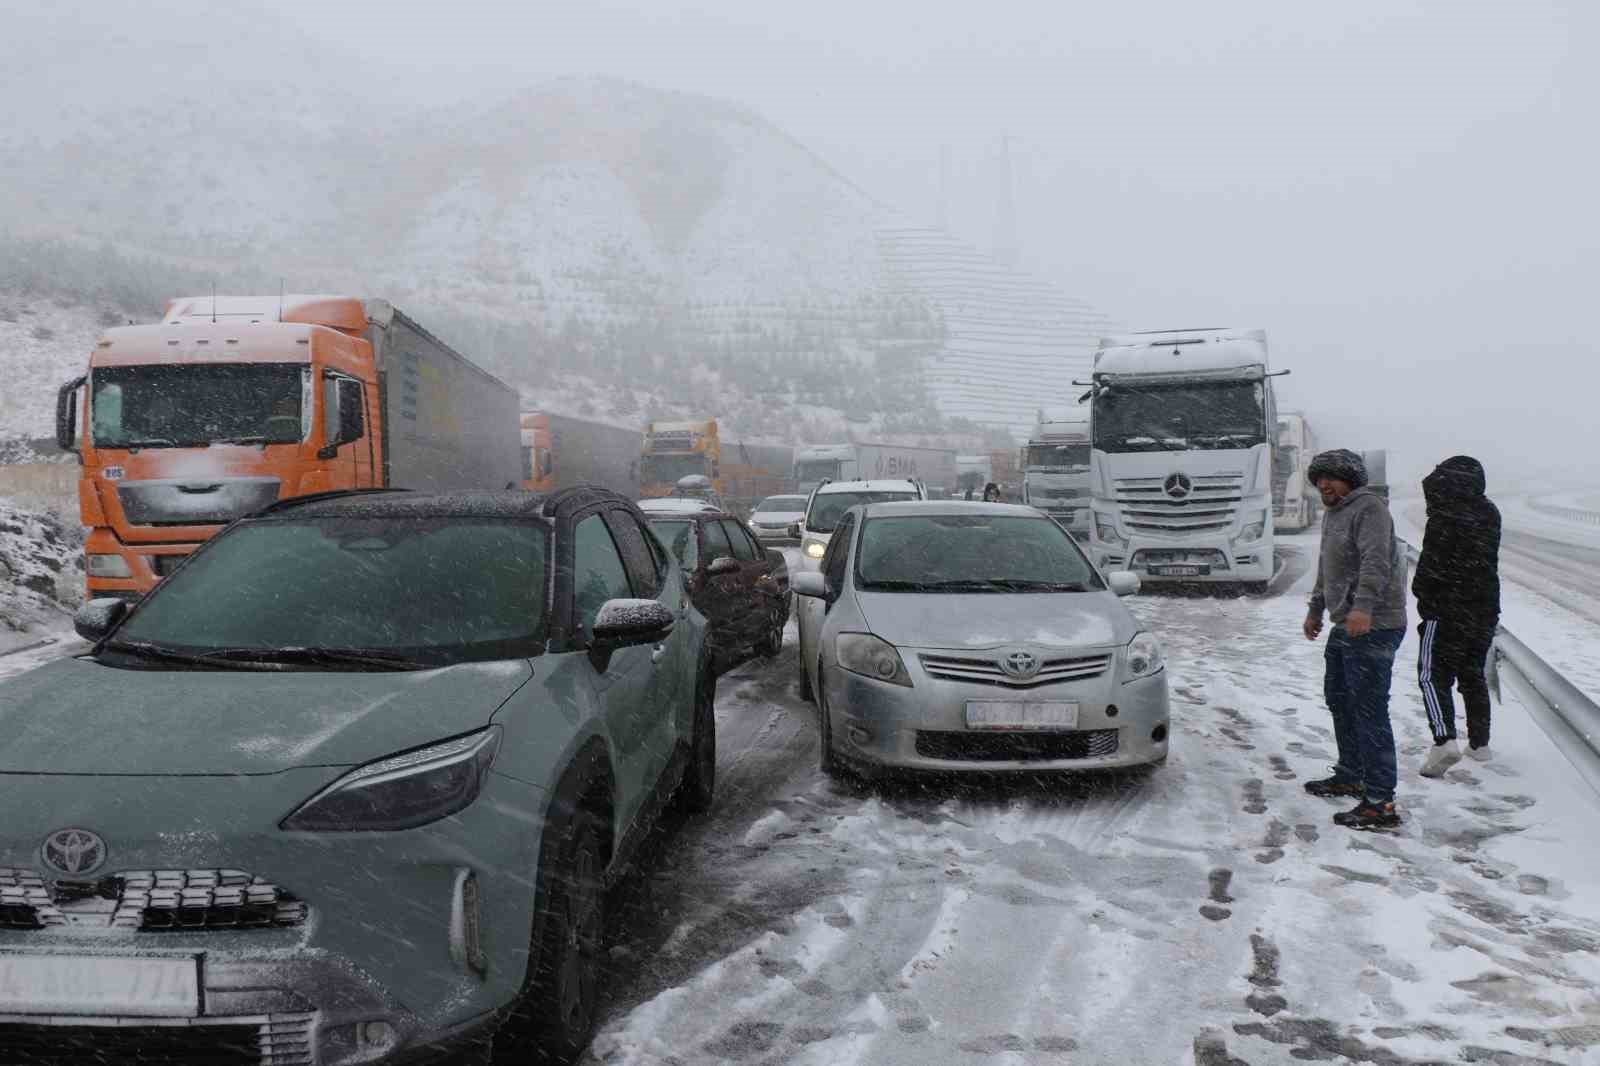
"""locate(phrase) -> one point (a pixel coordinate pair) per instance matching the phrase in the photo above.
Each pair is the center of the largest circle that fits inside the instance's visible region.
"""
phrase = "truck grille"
(203, 502)
(1211, 504)
(274, 1040)
(148, 901)
(986, 671)
(1017, 747)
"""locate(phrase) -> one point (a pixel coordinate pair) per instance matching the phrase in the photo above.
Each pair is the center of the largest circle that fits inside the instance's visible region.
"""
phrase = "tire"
(805, 684)
(1256, 588)
(698, 787)
(772, 643)
(555, 1012)
(827, 759)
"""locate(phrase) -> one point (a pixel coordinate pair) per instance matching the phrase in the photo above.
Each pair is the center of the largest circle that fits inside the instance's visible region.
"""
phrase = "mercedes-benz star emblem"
(73, 852)
(1178, 486)
(1020, 665)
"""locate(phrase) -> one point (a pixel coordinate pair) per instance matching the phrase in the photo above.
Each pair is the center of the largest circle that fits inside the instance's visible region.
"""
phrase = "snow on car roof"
(878, 485)
(676, 505)
(903, 508)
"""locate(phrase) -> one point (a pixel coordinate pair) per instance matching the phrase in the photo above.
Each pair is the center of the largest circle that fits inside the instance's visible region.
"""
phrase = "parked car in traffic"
(831, 499)
(968, 636)
(354, 781)
(776, 519)
(740, 587)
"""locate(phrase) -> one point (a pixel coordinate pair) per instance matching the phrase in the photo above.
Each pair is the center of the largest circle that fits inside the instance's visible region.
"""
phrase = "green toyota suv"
(350, 785)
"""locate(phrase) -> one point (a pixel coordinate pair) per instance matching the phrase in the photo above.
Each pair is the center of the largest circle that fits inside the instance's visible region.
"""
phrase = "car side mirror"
(99, 617)
(794, 530)
(1123, 582)
(776, 559)
(809, 583)
(624, 623)
(721, 565)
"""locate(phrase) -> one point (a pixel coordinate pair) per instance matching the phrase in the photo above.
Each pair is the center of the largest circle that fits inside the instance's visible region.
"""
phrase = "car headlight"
(1142, 657)
(403, 791)
(815, 548)
(1255, 528)
(1105, 528)
(865, 654)
(108, 566)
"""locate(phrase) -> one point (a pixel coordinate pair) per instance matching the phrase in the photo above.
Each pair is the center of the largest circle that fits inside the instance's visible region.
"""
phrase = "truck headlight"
(1105, 529)
(403, 791)
(815, 548)
(865, 654)
(1254, 529)
(108, 566)
(1142, 657)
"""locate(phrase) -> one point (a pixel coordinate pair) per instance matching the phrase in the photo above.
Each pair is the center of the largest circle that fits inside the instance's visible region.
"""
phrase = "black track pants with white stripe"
(1453, 654)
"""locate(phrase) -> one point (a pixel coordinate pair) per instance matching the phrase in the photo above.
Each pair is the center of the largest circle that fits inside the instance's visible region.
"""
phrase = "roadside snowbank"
(41, 574)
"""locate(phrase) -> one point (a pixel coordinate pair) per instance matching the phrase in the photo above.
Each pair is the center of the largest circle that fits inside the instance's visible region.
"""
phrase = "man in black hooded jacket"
(1457, 586)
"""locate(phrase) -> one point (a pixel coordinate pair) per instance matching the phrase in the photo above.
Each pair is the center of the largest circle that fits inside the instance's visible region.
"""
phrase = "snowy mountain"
(677, 251)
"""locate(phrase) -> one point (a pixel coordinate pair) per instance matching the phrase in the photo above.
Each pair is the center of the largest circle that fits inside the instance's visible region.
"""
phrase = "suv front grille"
(147, 900)
(1211, 504)
(275, 1040)
(1017, 747)
(980, 671)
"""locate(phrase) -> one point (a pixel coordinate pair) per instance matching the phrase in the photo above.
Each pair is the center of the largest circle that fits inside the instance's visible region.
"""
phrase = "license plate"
(1179, 571)
(78, 984)
(1021, 714)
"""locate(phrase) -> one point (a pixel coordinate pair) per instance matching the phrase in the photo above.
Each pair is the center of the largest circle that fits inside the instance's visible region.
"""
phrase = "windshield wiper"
(379, 660)
(221, 658)
(145, 442)
(241, 440)
(1007, 585)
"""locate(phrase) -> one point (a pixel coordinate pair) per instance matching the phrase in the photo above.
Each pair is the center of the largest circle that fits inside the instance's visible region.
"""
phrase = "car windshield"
(970, 553)
(678, 535)
(436, 590)
(1059, 456)
(828, 507)
(789, 504)
(183, 406)
(667, 469)
(1211, 416)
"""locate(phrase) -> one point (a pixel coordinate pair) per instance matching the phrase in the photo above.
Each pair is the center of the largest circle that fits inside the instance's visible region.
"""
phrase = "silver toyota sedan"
(962, 636)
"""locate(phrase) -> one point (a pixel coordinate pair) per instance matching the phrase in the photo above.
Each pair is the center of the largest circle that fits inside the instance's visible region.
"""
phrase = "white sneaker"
(1441, 758)
(1482, 754)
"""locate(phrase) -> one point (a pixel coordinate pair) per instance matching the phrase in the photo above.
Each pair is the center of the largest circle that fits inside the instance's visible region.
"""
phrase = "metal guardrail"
(1568, 716)
(1572, 514)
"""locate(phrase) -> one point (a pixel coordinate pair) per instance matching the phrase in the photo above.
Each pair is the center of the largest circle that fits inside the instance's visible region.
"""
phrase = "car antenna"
(213, 300)
(280, 299)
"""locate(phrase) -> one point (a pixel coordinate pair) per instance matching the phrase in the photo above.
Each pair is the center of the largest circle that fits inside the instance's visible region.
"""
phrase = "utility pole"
(1006, 248)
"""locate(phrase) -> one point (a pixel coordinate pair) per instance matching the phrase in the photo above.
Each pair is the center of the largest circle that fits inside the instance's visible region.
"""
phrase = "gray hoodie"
(1362, 566)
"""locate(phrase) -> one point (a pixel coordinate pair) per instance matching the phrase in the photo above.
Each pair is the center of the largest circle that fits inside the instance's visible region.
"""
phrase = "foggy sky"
(1401, 192)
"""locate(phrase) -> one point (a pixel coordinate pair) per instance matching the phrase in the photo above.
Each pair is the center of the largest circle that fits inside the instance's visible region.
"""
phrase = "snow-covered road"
(1112, 920)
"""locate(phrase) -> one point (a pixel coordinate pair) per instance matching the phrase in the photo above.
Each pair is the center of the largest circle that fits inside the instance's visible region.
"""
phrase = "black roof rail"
(316, 497)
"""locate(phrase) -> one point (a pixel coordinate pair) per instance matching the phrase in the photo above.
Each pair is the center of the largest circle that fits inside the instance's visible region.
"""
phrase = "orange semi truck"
(230, 403)
(741, 474)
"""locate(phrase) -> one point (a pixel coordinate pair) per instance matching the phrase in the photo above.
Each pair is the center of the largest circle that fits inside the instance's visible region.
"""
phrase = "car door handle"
(657, 654)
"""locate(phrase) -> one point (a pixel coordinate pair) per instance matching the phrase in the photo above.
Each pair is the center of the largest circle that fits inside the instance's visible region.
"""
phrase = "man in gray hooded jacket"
(1361, 584)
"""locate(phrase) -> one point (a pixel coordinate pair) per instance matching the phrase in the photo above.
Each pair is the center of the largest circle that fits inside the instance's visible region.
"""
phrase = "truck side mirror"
(67, 415)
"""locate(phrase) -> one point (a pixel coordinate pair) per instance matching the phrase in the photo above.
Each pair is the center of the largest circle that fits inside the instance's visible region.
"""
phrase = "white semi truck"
(934, 467)
(1184, 426)
(1055, 469)
(1295, 504)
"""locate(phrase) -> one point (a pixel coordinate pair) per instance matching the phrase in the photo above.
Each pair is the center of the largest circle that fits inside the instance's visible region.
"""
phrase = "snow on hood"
(990, 620)
(79, 717)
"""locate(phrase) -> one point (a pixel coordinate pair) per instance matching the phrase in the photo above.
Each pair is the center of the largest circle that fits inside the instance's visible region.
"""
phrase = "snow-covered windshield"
(828, 507)
(1208, 416)
(814, 470)
(432, 589)
(1058, 456)
(667, 469)
(970, 554)
(162, 406)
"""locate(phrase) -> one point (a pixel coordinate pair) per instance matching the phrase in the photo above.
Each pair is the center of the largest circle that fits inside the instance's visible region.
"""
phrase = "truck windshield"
(970, 554)
(1068, 456)
(432, 590)
(814, 470)
(667, 469)
(1168, 418)
(828, 507)
(186, 406)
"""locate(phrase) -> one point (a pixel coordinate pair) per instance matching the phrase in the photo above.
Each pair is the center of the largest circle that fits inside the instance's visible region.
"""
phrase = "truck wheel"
(556, 1010)
(698, 787)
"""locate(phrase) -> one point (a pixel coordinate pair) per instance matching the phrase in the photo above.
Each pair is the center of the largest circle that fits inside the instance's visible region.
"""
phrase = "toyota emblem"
(1178, 486)
(1021, 665)
(73, 852)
